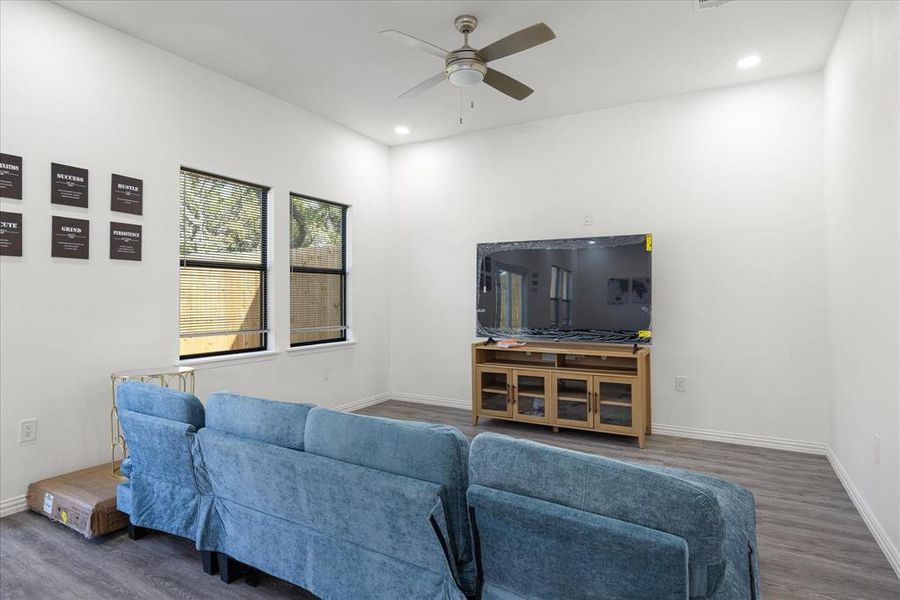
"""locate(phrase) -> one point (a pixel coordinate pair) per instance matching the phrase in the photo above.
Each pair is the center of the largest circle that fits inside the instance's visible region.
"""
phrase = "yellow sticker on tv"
(649, 242)
(645, 333)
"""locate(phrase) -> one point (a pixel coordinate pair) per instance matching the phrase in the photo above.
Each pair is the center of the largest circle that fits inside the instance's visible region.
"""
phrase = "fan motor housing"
(465, 67)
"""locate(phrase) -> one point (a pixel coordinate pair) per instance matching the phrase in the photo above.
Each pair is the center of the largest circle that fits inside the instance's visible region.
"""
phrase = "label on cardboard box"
(48, 503)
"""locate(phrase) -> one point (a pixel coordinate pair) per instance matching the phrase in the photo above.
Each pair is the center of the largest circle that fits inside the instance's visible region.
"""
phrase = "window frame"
(343, 272)
(262, 267)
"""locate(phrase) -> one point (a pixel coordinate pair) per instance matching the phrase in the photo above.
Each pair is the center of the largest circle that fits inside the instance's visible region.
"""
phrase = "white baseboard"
(433, 400)
(878, 532)
(12, 506)
(363, 403)
(743, 439)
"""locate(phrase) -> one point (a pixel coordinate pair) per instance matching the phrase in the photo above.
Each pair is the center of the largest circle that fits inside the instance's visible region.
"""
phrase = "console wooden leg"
(474, 419)
(229, 569)
(641, 441)
(135, 532)
(210, 562)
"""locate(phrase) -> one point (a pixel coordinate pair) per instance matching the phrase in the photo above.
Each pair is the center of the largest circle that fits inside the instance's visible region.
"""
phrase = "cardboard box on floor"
(83, 500)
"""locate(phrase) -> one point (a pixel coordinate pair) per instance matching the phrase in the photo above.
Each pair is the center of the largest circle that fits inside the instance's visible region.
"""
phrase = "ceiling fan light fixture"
(466, 72)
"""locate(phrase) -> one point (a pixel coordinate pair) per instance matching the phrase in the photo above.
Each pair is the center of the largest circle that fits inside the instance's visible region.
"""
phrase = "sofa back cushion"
(386, 514)
(278, 423)
(606, 487)
(157, 401)
(423, 451)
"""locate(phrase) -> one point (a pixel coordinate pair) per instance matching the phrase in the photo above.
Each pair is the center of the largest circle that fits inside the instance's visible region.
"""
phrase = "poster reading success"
(70, 237)
(69, 185)
(10, 176)
(127, 195)
(10, 234)
(125, 241)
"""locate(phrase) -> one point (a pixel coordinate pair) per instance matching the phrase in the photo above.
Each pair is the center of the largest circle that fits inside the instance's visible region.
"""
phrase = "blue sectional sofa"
(349, 506)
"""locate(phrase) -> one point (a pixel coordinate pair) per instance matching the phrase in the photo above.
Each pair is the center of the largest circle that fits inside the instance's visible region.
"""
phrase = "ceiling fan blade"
(507, 85)
(428, 83)
(414, 42)
(517, 42)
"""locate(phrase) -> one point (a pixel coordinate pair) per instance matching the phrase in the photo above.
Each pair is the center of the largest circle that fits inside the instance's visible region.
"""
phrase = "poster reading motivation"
(70, 237)
(127, 195)
(125, 241)
(68, 185)
(10, 176)
(10, 234)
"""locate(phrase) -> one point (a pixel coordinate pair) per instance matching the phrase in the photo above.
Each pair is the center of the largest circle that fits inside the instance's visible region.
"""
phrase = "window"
(223, 266)
(318, 271)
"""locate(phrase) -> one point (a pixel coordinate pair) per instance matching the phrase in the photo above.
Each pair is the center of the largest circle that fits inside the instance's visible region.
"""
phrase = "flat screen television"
(583, 289)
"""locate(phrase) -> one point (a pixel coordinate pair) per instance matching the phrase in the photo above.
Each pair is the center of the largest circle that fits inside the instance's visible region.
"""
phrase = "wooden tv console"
(580, 386)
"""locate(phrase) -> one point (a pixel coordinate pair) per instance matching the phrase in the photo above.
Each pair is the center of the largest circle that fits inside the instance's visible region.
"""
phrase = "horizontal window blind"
(223, 269)
(318, 263)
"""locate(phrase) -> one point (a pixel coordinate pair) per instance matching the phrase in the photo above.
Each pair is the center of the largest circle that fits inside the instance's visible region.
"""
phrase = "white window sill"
(227, 359)
(315, 348)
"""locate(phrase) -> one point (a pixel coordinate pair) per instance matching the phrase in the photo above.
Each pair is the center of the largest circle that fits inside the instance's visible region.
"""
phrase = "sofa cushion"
(157, 401)
(279, 423)
(739, 511)
(434, 453)
(611, 488)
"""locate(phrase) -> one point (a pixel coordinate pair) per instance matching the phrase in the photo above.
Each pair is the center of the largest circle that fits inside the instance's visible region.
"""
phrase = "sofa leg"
(252, 577)
(210, 562)
(229, 569)
(135, 532)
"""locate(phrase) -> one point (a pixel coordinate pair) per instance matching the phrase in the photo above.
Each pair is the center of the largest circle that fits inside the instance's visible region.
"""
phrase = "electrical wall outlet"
(587, 218)
(680, 383)
(27, 430)
(877, 449)
(326, 374)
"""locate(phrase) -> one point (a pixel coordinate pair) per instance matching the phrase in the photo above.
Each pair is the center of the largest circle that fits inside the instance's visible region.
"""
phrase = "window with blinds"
(318, 271)
(222, 265)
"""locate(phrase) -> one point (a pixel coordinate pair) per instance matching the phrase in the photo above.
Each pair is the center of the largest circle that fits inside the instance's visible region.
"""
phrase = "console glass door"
(614, 404)
(494, 392)
(532, 394)
(572, 399)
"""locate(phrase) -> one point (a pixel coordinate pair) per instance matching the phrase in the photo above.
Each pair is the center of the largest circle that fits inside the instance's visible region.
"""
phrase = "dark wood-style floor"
(812, 542)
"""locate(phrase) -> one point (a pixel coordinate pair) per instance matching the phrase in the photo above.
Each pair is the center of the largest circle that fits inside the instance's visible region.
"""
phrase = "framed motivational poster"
(10, 176)
(68, 185)
(70, 238)
(10, 234)
(125, 241)
(127, 195)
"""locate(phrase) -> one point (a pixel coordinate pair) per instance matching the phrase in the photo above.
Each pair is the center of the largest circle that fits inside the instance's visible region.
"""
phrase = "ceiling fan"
(467, 66)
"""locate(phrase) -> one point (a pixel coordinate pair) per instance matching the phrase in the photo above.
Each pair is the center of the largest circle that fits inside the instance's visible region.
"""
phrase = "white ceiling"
(328, 57)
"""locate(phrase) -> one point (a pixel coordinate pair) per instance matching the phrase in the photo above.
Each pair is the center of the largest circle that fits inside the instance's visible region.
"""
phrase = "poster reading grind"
(10, 234)
(69, 185)
(124, 241)
(10, 176)
(70, 237)
(127, 194)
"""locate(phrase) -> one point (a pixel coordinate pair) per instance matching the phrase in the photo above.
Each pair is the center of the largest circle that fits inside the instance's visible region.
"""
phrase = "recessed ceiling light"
(748, 62)
(401, 130)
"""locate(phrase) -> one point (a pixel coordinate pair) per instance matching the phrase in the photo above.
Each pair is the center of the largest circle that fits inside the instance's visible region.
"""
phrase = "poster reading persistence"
(68, 185)
(70, 238)
(10, 176)
(125, 241)
(10, 234)
(127, 195)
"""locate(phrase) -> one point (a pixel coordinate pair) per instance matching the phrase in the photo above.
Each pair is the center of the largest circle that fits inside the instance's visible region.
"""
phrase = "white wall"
(730, 184)
(79, 93)
(862, 191)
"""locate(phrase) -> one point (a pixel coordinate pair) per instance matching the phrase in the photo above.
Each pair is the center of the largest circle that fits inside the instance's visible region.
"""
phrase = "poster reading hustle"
(68, 185)
(125, 241)
(127, 195)
(70, 237)
(10, 234)
(10, 176)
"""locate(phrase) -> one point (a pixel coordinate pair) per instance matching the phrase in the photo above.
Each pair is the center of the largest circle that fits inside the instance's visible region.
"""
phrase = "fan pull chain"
(460, 107)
